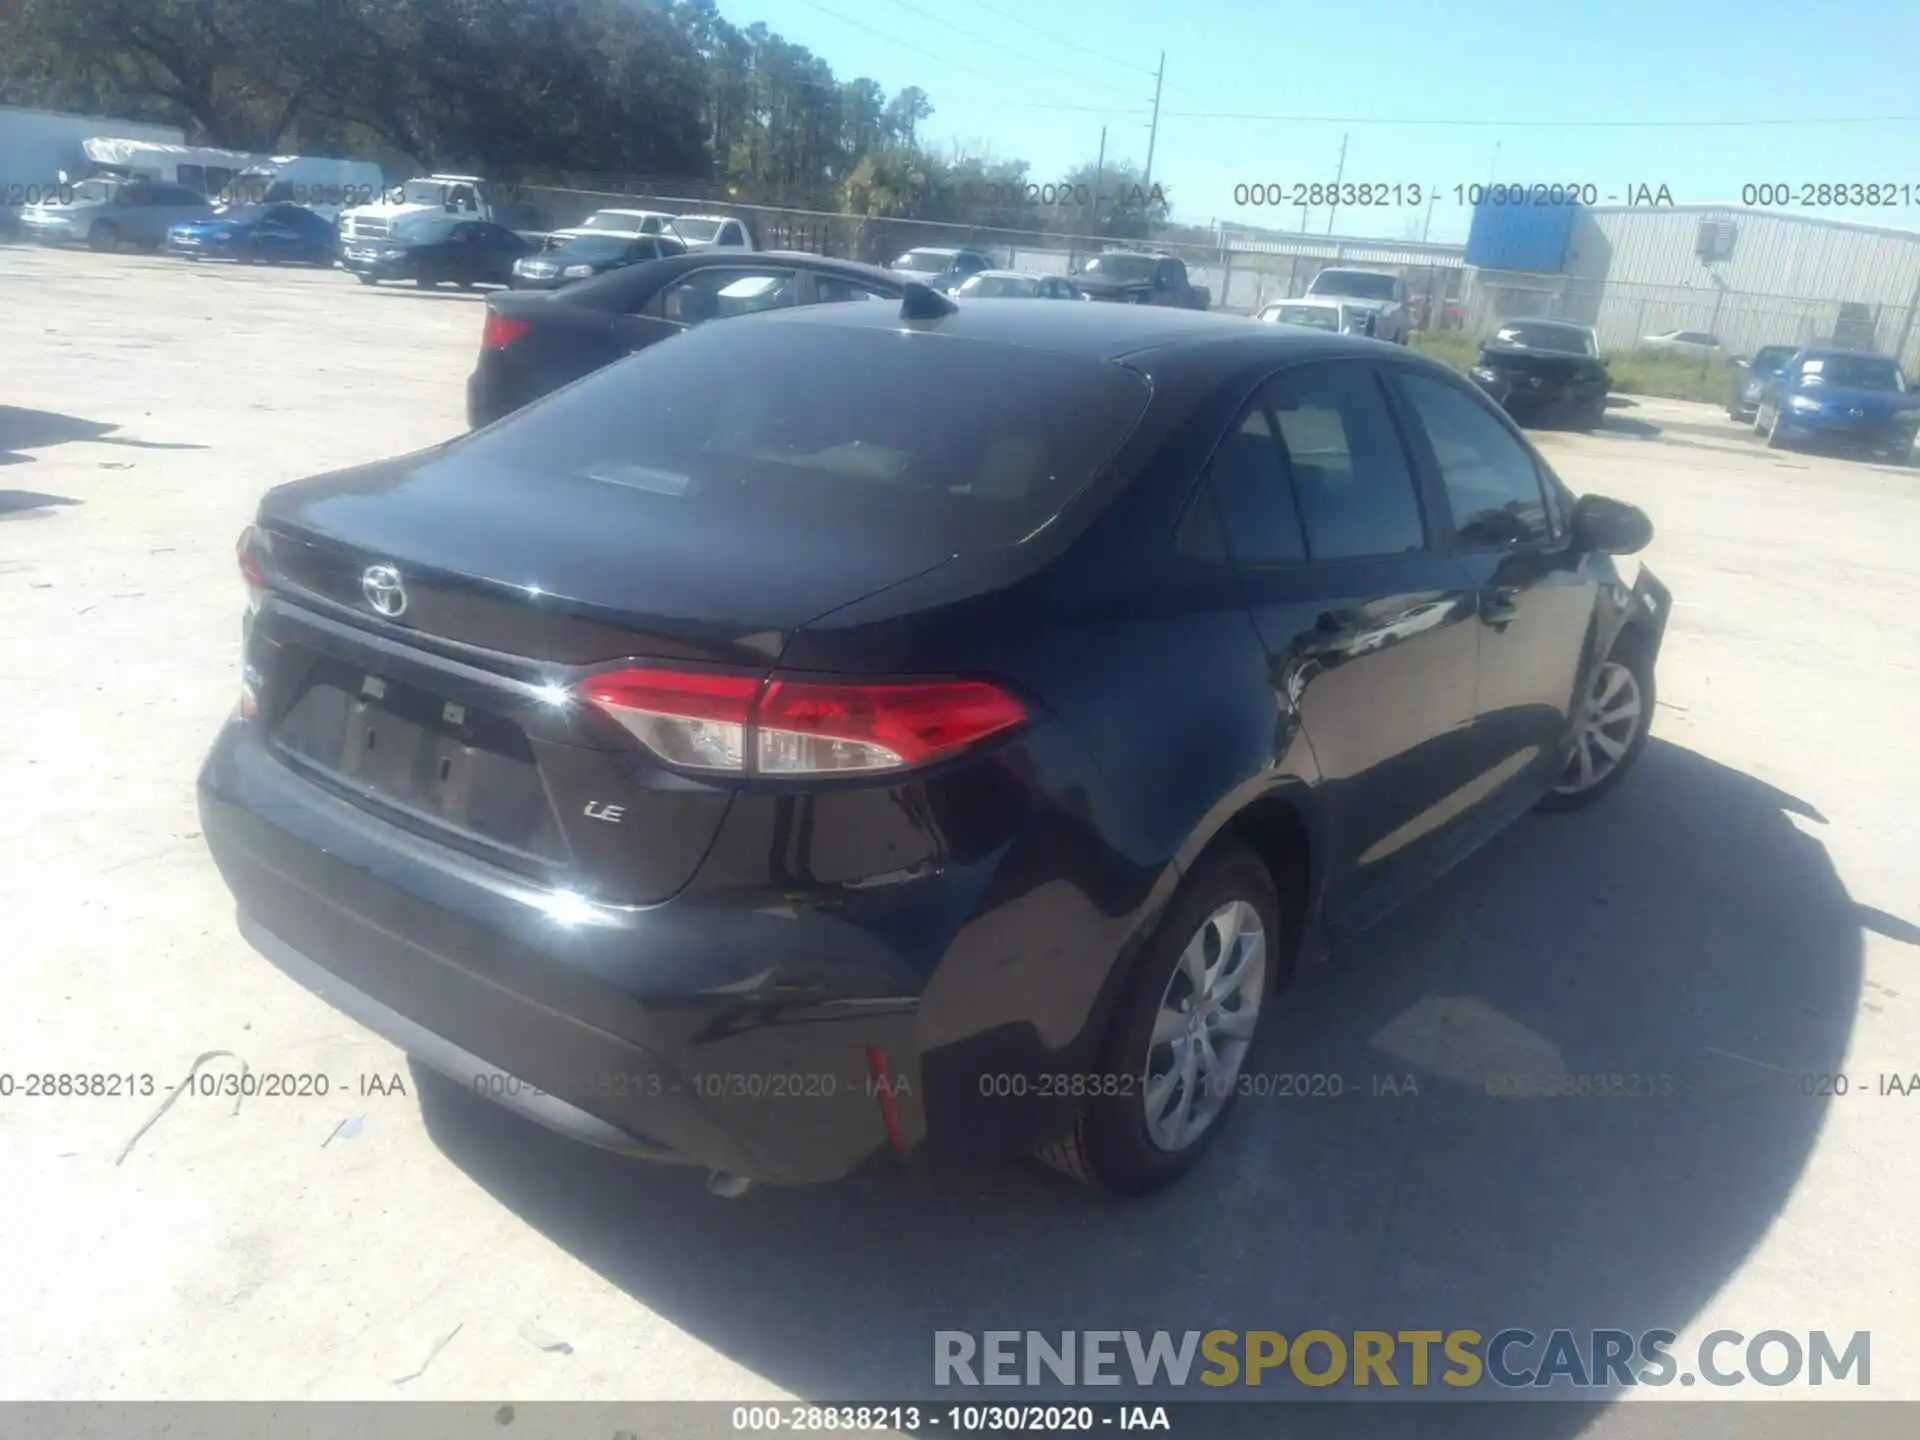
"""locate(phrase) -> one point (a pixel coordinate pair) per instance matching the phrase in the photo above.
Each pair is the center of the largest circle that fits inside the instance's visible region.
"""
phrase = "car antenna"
(923, 302)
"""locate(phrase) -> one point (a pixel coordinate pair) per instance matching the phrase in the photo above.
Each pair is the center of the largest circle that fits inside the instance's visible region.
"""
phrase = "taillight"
(252, 573)
(745, 725)
(500, 332)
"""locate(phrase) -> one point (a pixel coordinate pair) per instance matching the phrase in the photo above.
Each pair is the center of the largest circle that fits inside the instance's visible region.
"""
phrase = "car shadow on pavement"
(22, 429)
(1684, 935)
(29, 502)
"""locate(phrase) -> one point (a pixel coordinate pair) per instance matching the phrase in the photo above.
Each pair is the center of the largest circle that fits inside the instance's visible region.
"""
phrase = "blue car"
(290, 234)
(1852, 400)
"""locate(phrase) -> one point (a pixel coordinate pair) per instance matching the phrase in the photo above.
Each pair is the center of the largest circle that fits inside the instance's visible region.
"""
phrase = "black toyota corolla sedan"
(909, 730)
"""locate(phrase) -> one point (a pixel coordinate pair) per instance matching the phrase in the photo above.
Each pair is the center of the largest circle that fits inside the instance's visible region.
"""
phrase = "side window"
(830, 290)
(732, 234)
(1248, 474)
(1351, 479)
(721, 292)
(193, 176)
(1492, 484)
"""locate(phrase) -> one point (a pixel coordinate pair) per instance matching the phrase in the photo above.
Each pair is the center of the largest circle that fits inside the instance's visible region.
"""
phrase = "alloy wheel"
(1204, 1024)
(1610, 718)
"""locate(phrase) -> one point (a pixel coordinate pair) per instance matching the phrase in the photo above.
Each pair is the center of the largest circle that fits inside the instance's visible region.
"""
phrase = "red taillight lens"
(500, 332)
(745, 725)
(807, 728)
(252, 572)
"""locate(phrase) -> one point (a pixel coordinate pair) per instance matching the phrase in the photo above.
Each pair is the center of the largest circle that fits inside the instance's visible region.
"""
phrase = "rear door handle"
(1499, 606)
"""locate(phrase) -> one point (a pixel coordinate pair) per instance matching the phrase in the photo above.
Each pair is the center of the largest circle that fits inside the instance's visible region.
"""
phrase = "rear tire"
(1226, 909)
(364, 278)
(104, 236)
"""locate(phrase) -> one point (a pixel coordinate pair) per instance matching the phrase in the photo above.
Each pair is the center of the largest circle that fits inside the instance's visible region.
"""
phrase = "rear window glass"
(873, 430)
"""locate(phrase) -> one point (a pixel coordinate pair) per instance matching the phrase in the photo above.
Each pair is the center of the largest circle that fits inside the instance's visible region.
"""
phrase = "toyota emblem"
(381, 585)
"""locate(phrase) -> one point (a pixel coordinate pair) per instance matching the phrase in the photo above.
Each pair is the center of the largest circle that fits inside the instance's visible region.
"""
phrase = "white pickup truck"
(420, 212)
(1381, 291)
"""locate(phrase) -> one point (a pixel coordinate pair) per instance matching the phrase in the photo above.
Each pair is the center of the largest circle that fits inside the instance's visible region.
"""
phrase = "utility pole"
(1153, 132)
(1339, 173)
(1424, 229)
(1099, 172)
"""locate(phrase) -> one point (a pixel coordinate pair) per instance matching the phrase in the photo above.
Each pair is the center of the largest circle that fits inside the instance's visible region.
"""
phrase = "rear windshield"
(874, 430)
(1360, 284)
(1531, 335)
(1856, 372)
(1320, 317)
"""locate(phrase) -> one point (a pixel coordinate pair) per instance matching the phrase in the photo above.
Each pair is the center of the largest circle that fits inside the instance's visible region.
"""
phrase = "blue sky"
(1037, 81)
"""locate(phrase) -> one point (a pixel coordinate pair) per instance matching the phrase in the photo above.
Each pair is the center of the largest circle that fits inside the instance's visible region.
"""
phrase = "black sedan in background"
(584, 256)
(909, 730)
(1545, 370)
(535, 343)
(475, 252)
(1749, 377)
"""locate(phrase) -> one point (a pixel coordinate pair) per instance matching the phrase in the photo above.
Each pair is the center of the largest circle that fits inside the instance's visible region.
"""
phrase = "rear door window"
(1248, 474)
(1350, 475)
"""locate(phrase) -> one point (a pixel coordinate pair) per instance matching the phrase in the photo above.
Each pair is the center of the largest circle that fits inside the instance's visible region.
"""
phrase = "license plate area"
(422, 755)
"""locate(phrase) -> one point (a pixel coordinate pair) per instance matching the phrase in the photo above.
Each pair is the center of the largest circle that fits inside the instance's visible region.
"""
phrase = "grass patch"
(1670, 377)
(1456, 347)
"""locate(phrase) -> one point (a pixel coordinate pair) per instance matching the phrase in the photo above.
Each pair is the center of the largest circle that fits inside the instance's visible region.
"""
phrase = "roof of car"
(715, 218)
(1098, 331)
(644, 214)
(1544, 323)
(1008, 275)
(1839, 352)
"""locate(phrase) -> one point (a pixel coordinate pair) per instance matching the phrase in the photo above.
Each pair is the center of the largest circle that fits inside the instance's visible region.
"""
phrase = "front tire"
(104, 236)
(1614, 720)
(1185, 1023)
(364, 278)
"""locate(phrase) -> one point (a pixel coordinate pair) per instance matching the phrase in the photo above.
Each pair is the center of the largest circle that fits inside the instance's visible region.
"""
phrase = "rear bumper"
(733, 1027)
(400, 269)
(441, 1054)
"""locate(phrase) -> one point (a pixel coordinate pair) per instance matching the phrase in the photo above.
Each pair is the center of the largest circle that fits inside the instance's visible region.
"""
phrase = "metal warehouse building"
(1749, 277)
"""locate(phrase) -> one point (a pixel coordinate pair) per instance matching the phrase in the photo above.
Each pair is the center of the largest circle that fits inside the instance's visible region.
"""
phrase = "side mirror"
(1612, 527)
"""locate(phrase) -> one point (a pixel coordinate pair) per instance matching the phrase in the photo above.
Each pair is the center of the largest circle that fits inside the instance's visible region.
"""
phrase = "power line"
(979, 39)
(1059, 40)
(957, 65)
(1532, 124)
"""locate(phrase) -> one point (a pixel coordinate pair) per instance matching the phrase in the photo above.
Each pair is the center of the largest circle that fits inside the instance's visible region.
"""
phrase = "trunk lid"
(573, 568)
